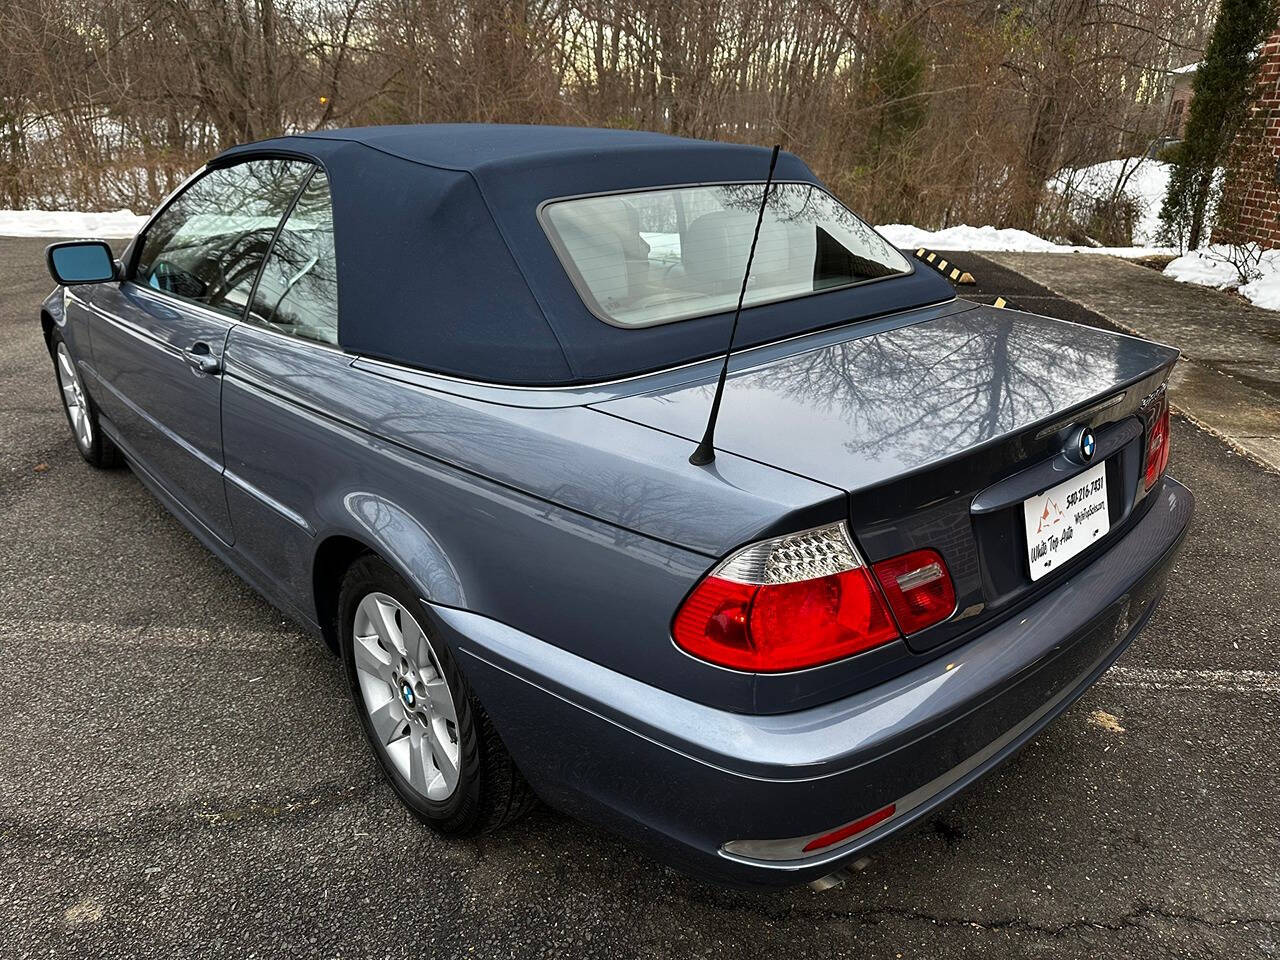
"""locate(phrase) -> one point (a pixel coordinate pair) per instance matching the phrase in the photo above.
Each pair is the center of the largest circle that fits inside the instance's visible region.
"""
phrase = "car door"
(158, 338)
(281, 364)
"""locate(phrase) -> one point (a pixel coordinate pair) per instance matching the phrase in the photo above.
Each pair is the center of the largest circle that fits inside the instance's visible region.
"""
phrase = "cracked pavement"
(181, 773)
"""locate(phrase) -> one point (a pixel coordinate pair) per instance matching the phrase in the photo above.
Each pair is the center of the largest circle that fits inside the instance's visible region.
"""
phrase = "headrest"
(715, 245)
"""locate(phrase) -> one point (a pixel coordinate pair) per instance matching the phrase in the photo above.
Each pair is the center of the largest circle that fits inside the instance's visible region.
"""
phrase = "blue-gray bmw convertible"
(438, 393)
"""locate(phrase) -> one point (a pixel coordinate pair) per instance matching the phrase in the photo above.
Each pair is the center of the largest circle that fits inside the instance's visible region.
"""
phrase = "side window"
(298, 292)
(209, 242)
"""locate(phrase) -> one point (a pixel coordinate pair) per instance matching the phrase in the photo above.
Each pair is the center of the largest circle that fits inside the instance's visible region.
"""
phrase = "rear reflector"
(918, 589)
(785, 604)
(1157, 417)
(850, 829)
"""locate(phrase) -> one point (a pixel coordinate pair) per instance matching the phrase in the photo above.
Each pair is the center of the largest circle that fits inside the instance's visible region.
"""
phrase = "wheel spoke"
(380, 614)
(371, 659)
(443, 748)
(64, 361)
(415, 642)
(388, 721)
(441, 701)
(419, 774)
(384, 621)
(399, 752)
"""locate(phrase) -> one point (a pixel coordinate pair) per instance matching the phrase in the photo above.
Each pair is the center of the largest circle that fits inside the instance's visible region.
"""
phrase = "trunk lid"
(938, 429)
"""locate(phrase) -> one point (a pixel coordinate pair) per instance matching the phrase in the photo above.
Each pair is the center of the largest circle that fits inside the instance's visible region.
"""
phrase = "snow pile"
(1220, 266)
(1265, 291)
(68, 223)
(1142, 180)
(907, 237)
(1206, 267)
(122, 223)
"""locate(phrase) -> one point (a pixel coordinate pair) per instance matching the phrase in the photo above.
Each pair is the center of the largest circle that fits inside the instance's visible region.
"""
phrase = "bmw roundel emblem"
(1087, 445)
(1080, 445)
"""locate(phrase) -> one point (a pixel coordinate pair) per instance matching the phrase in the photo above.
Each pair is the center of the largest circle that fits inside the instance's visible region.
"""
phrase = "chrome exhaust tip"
(837, 878)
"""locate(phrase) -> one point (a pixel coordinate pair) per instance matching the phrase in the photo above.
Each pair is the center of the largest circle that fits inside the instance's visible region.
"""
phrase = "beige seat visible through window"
(603, 238)
(715, 246)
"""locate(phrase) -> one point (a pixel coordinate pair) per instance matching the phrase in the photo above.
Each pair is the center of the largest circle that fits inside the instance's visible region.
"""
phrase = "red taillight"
(918, 588)
(850, 829)
(784, 604)
(1157, 439)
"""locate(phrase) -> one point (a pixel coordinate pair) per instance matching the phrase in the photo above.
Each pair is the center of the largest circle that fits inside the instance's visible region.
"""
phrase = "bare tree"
(939, 111)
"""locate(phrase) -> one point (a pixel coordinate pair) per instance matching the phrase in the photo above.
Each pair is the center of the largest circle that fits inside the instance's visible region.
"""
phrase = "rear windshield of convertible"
(655, 256)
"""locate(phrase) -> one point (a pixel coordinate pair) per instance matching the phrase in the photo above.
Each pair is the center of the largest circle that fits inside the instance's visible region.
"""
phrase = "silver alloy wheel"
(74, 399)
(407, 698)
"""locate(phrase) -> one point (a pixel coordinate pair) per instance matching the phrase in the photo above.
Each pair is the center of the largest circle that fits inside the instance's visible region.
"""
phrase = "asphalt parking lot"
(181, 773)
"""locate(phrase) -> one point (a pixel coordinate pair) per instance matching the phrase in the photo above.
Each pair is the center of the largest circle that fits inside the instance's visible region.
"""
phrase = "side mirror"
(81, 261)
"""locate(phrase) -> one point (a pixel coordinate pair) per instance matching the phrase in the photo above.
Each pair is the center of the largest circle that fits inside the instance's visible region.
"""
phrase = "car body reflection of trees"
(913, 390)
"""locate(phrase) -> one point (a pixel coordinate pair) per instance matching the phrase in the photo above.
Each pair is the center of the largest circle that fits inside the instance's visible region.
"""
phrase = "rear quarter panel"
(575, 527)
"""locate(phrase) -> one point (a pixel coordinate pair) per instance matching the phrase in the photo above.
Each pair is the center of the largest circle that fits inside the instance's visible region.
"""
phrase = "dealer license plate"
(1066, 519)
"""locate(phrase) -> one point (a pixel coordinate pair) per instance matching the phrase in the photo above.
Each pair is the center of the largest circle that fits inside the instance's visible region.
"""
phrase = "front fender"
(53, 306)
(53, 313)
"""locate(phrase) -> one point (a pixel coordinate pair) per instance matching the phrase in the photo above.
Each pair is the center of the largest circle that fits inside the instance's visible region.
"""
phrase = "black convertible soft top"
(443, 264)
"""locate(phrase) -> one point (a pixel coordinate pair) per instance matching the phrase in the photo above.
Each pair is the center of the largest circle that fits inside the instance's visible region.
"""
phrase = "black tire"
(97, 450)
(490, 791)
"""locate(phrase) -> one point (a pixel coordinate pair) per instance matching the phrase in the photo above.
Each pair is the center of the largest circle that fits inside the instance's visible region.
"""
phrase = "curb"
(1222, 406)
(948, 270)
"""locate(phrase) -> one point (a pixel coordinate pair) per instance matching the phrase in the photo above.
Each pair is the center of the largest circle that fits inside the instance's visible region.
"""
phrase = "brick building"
(1249, 209)
(1180, 95)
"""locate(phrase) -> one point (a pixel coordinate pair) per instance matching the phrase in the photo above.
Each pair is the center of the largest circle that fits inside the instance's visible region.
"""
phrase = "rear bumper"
(686, 778)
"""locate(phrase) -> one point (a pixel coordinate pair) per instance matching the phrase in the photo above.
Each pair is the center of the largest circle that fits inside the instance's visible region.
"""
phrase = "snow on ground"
(1205, 267)
(996, 239)
(122, 223)
(1265, 291)
(1141, 179)
(68, 223)
(964, 238)
(1215, 266)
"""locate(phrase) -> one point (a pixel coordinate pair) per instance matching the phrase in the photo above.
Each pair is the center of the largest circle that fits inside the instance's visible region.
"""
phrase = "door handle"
(199, 357)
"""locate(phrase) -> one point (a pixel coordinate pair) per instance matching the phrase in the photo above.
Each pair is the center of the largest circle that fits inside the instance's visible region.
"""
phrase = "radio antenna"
(705, 451)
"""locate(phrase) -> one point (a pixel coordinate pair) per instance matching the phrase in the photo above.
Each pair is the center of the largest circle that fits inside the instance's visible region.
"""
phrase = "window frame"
(140, 239)
(593, 307)
(253, 290)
